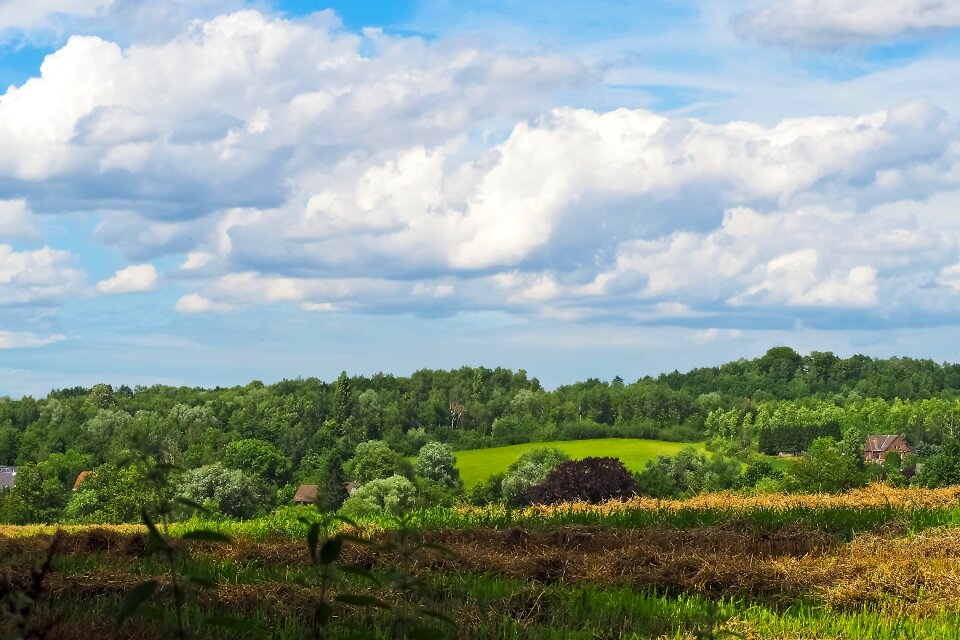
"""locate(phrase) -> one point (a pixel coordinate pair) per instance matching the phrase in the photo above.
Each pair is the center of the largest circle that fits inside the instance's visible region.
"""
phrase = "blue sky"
(216, 191)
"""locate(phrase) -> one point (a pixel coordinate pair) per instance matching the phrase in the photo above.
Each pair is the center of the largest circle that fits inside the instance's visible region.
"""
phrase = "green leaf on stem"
(313, 537)
(137, 596)
(361, 601)
(331, 549)
(422, 632)
(323, 614)
(200, 581)
(192, 504)
(207, 536)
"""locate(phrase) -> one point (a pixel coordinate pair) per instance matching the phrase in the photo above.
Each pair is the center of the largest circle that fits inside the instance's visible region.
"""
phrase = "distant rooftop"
(880, 442)
(80, 478)
(8, 476)
(306, 494)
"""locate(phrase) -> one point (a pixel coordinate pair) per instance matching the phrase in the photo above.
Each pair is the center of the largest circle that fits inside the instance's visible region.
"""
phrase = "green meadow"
(478, 464)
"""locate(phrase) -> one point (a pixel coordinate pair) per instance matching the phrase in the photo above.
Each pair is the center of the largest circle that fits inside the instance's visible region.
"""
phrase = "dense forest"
(310, 430)
(468, 407)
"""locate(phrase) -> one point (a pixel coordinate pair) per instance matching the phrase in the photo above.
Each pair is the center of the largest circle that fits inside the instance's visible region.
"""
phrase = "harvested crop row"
(873, 496)
(486, 606)
(469, 600)
(725, 538)
(920, 573)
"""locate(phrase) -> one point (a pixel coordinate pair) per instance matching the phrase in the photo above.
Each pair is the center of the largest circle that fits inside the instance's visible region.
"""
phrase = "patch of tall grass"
(494, 606)
(840, 514)
(844, 515)
(844, 522)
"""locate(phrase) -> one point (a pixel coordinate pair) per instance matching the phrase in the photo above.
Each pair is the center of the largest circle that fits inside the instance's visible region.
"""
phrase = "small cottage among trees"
(306, 494)
(876, 448)
(8, 475)
(83, 475)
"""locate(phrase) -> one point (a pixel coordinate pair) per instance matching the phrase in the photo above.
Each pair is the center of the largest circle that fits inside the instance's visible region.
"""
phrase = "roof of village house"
(306, 493)
(7, 476)
(80, 478)
(879, 443)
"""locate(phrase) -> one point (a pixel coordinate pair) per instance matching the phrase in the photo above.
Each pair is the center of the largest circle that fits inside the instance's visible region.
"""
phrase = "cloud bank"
(831, 24)
(291, 162)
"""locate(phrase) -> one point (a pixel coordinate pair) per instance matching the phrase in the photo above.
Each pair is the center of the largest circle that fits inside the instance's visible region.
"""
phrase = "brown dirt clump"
(91, 540)
(714, 560)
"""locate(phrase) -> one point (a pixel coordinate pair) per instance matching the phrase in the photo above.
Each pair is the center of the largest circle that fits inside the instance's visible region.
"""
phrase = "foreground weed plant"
(407, 545)
(400, 581)
(20, 600)
(325, 552)
(182, 581)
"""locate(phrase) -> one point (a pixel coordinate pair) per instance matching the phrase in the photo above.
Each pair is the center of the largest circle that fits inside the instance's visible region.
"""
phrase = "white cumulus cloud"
(829, 24)
(793, 279)
(16, 220)
(195, 303)
(41, 277)
(265, 99)
(132, 279)
(39, 14)
(573, 183)
(795, 258)
(26, 340)
(298, 163)
(706, 336)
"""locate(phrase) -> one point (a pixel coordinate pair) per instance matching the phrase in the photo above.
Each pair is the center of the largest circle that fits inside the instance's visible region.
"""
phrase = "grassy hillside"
(478, 464)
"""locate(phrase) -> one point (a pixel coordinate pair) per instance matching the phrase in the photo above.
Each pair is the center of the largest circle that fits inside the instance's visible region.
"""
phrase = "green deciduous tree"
(689, 472)
(394, 495)
(825, 469)
(34, 498)
(942, 469)
(111, 495)
(436, 462)
(42, 490)
(258, 457)
(759, 470)
(374, 460)
(529, 470)
(342, 398)
(223, 490)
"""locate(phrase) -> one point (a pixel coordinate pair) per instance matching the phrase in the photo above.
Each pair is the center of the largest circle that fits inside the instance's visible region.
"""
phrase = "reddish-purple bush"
(590, 480)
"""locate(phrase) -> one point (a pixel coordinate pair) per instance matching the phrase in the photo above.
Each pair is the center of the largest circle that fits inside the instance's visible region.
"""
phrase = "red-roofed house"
(306, 494)
(876, 448)
(80, 478)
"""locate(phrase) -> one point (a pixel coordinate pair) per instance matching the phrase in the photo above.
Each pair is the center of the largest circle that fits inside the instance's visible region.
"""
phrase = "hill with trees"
(251, 445)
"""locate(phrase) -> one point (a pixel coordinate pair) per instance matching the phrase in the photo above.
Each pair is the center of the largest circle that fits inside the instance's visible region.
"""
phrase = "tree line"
(468, 407)
(792, 425)
(255, 443)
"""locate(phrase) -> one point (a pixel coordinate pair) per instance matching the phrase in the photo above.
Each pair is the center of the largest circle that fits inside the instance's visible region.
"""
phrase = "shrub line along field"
(476, 465)
(844, 515)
